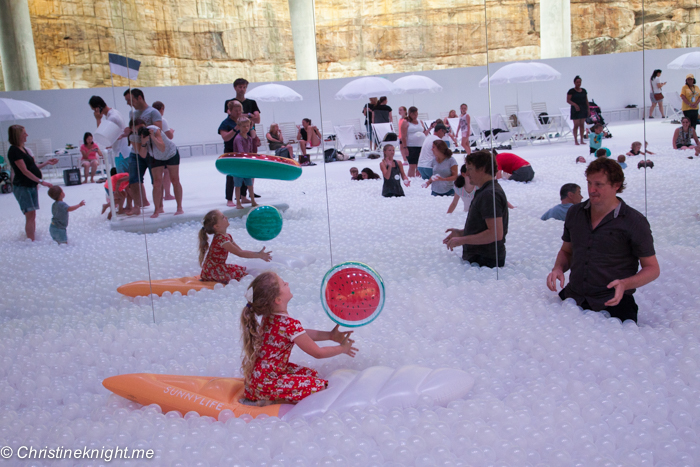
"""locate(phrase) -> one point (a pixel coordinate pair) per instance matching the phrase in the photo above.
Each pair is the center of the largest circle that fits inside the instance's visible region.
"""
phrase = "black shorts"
(593, 150)
(626, 309)
(413, 155)
(175, 160)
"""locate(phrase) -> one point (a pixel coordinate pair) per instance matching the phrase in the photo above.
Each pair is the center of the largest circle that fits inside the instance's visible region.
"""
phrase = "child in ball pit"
(269, 376)
(214, 267)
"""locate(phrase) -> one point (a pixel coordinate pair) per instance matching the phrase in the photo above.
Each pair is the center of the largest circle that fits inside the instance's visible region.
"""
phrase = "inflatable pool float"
(158, 287)
(347, 389)
(185, 284)
(245, 165)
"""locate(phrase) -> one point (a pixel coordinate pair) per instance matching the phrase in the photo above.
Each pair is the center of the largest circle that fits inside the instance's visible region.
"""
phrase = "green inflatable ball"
(264, 223)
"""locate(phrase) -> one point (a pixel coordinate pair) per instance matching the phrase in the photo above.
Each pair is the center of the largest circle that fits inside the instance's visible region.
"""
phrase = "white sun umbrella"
(364, 88)
(416, 84)
(521, 72)
(689, 61)
(11, 109)
(274, 93)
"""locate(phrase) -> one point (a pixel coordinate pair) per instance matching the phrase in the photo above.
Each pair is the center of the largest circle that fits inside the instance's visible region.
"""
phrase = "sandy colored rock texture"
(185, 42)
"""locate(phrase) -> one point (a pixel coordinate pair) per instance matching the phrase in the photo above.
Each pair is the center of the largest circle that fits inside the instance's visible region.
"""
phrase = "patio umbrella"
(521, 72)
(415, 84)
(364, 88)
(11, 109)
(274, 93)
(689, 61)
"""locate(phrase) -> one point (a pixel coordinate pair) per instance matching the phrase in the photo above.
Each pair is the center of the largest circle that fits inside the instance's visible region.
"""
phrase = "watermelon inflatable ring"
(245, 165)
(352, 294)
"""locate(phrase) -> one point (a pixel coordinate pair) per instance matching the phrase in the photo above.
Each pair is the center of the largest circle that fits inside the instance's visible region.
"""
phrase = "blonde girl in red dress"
(267, 345)
(214, 267)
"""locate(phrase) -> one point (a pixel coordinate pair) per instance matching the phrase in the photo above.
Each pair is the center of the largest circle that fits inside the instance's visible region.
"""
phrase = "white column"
(19, 69)
(555, 28)
(301, 13)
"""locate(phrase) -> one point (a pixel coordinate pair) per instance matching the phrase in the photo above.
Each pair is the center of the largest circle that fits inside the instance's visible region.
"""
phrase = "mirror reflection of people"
(577, 98)
(570, 194)
(604, 243)
(483, 238)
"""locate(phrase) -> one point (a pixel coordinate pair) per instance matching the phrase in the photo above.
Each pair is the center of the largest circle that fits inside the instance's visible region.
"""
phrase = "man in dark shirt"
(483, 238)
(250, 107)
(604, 242)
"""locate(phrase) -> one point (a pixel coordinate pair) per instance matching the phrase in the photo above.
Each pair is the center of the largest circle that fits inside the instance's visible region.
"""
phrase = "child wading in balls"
(269, 376)
(60, 211)
(212, 257)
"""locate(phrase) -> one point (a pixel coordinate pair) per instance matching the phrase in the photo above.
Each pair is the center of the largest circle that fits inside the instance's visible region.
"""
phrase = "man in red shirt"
(515, 168)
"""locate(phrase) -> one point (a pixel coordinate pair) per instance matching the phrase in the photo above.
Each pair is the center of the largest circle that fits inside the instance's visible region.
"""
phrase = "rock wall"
(185, 42)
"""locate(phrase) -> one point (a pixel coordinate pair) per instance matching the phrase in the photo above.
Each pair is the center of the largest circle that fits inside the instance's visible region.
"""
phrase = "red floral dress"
(273, 377)
(215, 267)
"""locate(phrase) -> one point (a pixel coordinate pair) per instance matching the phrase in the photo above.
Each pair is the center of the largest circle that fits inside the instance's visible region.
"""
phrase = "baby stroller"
(597, 117)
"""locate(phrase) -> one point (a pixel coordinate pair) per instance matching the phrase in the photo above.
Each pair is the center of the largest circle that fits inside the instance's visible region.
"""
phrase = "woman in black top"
(27, 175)
(382, 112)
(577, 98)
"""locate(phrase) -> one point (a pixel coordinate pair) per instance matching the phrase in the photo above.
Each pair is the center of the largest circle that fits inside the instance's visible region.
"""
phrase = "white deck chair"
(326, 128)
(380, 130)
(675, 104)
(511, 110)
(539, 107)
(532, 129)
(566, 125)
(346, 138)
(505, 135)
(289, 131)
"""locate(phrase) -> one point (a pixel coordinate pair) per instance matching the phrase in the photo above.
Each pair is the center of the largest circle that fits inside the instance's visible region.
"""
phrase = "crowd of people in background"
(146, 144)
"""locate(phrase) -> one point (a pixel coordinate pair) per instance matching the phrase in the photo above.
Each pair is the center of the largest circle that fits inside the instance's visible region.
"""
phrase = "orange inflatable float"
(202, 394)
(159, 287)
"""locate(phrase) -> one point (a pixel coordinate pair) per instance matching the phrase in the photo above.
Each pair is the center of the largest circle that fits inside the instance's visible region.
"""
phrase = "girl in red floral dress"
(214, 267)
(266, 345)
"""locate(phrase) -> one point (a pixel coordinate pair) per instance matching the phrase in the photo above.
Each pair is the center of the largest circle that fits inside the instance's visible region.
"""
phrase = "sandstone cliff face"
(184, 42)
